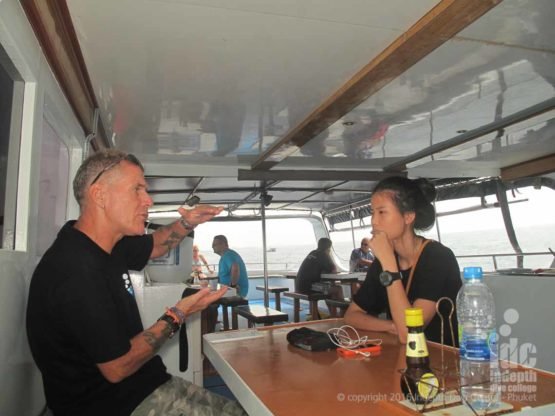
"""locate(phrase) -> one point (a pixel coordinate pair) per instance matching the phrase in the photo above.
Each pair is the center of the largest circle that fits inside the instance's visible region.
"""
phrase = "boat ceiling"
(314, 101)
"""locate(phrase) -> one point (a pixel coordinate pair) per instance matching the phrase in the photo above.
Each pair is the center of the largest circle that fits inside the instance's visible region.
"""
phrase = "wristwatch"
(172, 324)
(186, 225)
(387, 278)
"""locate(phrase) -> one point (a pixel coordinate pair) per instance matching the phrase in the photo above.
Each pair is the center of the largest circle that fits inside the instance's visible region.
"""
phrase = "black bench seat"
(337, 307)
(311, 297)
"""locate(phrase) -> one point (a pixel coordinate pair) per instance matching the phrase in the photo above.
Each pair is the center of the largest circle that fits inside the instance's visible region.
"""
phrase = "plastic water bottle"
(479, 365)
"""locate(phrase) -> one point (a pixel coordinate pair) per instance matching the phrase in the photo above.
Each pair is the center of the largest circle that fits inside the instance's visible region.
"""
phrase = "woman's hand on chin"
(382, 248)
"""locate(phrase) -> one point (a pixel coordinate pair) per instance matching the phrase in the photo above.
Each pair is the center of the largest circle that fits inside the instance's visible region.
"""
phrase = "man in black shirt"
(317, 262)
(83, 323)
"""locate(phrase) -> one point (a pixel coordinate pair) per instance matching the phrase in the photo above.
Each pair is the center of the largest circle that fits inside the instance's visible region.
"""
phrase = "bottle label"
(428, 386)
(478, 347)
(416, 345)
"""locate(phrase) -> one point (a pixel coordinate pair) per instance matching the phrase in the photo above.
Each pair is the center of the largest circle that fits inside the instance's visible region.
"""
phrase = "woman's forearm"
(361, 320)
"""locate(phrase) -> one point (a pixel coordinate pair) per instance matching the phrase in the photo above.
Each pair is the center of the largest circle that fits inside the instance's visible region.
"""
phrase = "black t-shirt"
(316, 263)
(436, 275)
(82, 311)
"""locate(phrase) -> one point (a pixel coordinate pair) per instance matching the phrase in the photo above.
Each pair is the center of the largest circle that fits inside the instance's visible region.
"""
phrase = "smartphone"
(366, 350)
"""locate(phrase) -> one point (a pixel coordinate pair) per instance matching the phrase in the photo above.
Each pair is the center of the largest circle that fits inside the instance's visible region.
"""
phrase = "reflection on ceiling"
(200, 89)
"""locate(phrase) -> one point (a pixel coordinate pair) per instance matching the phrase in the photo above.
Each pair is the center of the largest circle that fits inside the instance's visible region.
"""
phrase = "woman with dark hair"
(409, 271)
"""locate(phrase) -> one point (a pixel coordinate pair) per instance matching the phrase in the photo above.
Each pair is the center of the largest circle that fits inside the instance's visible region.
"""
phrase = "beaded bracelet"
(178, 313)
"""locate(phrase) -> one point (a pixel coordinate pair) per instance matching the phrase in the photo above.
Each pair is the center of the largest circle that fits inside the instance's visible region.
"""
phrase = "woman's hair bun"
(427, 188)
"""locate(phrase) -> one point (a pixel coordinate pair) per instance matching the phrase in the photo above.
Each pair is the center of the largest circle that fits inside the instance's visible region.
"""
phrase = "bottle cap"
(472, 273)
(413, 317)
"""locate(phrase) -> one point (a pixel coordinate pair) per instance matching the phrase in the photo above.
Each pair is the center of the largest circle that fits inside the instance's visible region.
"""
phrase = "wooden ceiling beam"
(51, 22)
(535, 167)
(439, 25)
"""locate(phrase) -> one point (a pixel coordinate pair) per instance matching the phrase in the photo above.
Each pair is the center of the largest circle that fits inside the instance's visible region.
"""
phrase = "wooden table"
(268, 376)
(277, 291)
(344, 277)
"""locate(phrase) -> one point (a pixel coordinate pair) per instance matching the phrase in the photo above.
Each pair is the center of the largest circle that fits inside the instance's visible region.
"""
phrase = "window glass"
(482, 231)
(478, 231)
(534, 224)
(53, 186)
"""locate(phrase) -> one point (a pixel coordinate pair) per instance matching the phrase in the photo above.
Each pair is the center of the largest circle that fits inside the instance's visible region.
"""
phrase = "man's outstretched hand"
(199, 214)
(200, 300)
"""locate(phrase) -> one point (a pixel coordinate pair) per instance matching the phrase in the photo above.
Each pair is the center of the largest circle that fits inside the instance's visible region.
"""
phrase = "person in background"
(399, 207)
(198, 261)
(83, 323)
(231, 269)
(316, 262)
(362, 257)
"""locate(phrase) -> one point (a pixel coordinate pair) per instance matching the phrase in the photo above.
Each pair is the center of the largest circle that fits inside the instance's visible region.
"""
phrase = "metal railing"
(273, 267)
(493, 258)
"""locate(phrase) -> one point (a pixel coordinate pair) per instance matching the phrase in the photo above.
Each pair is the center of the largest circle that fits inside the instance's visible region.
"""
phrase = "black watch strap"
(172, 324)
(387, 278)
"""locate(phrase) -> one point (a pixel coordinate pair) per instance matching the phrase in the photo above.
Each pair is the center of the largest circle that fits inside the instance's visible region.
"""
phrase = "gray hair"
(94, 166)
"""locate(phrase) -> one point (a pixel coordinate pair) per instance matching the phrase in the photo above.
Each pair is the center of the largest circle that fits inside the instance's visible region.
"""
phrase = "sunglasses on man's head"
(129, 157)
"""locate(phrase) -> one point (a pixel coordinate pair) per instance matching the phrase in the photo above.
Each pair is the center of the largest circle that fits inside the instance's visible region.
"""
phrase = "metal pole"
(506, 212)
(352, 226)
(437, 224)
(264, 257)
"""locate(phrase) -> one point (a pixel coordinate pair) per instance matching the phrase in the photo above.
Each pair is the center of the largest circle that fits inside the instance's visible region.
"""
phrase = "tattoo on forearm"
(156, 341)
(173, 240)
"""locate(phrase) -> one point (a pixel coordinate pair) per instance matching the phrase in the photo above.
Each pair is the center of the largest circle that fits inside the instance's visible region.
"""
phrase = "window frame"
(10, 228)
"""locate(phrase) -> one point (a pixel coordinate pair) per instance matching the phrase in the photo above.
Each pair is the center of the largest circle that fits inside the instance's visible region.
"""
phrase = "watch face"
(385, 278)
